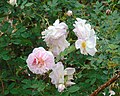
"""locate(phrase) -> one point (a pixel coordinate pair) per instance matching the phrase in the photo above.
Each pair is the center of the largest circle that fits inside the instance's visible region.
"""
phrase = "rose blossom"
(55, 37)
(86, 37)
(60, 77)
(40, 61)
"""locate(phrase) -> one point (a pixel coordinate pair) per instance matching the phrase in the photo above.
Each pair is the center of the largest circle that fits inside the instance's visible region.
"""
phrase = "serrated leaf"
(14, 91)
(113, 46)
(41, 88)
(11, 85)
(35, 86)
(28, 4)
(73, 89)
(16, 41)
(93, 81)
(68, 50)
(23, 4)
(6, 92)
(5, 57)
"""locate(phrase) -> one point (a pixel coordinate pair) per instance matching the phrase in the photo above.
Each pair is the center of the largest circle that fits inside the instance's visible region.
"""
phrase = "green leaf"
(5, 57)
(118, 2)
(28, 4)
(16, 41)
(6, 92)
(35, 86)
(113, 46)
(25, 35)
(66, 52)
(14, 91)
(41, 88)
(23, 4)
(22, 29)
(26, 81)
(73, 89)
(93, 81)
(11, 86)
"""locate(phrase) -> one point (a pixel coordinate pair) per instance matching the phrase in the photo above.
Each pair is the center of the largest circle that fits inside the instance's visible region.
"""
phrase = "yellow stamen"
(84, 44)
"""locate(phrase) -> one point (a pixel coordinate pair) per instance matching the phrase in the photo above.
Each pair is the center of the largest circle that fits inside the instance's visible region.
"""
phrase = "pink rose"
(40, 61)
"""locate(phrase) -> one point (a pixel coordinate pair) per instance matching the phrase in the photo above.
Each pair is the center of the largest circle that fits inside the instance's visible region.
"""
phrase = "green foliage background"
(30, 18)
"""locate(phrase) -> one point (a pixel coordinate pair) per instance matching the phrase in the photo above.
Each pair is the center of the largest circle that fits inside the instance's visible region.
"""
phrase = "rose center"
(84, 44)
(40, 61)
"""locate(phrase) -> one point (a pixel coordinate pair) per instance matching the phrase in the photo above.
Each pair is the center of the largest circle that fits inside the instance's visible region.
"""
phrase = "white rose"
(55, 37)
(86, 37)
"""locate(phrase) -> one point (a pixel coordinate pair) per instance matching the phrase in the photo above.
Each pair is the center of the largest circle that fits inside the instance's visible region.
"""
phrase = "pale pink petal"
(61, 87)
(91, 51)
(56, 22)
(40, 49)
(81, 20)
(69, 71)
(69, 83)
(70, 77)
(57, 75)
(111, 92)
(30, 59)
(91, 42)
(78, 43)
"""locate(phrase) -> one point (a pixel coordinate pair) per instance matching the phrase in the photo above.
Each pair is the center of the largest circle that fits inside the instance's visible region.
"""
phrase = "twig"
(102, 87)
(2, 86)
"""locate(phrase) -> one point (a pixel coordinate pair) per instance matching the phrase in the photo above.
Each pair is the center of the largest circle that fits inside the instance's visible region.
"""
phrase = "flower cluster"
(41, 61)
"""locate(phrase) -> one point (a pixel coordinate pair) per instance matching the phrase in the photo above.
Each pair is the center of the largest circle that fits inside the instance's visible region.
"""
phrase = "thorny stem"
(102, 87)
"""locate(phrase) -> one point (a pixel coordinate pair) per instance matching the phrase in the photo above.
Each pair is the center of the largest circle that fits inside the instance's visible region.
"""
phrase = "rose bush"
(29, 24)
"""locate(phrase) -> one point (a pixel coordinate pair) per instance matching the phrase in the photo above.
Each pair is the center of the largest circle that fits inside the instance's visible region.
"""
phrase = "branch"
(2, 86)
(102, 87)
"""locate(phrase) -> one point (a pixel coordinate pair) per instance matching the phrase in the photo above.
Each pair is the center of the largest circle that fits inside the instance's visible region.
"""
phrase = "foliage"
(30, 18)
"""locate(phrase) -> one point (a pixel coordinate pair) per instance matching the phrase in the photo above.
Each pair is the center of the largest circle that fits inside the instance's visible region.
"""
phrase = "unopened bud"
(69, 13)
(108, 11)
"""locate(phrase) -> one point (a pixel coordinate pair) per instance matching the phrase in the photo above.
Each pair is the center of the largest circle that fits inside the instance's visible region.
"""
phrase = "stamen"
(84, 44)
(40, 62)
